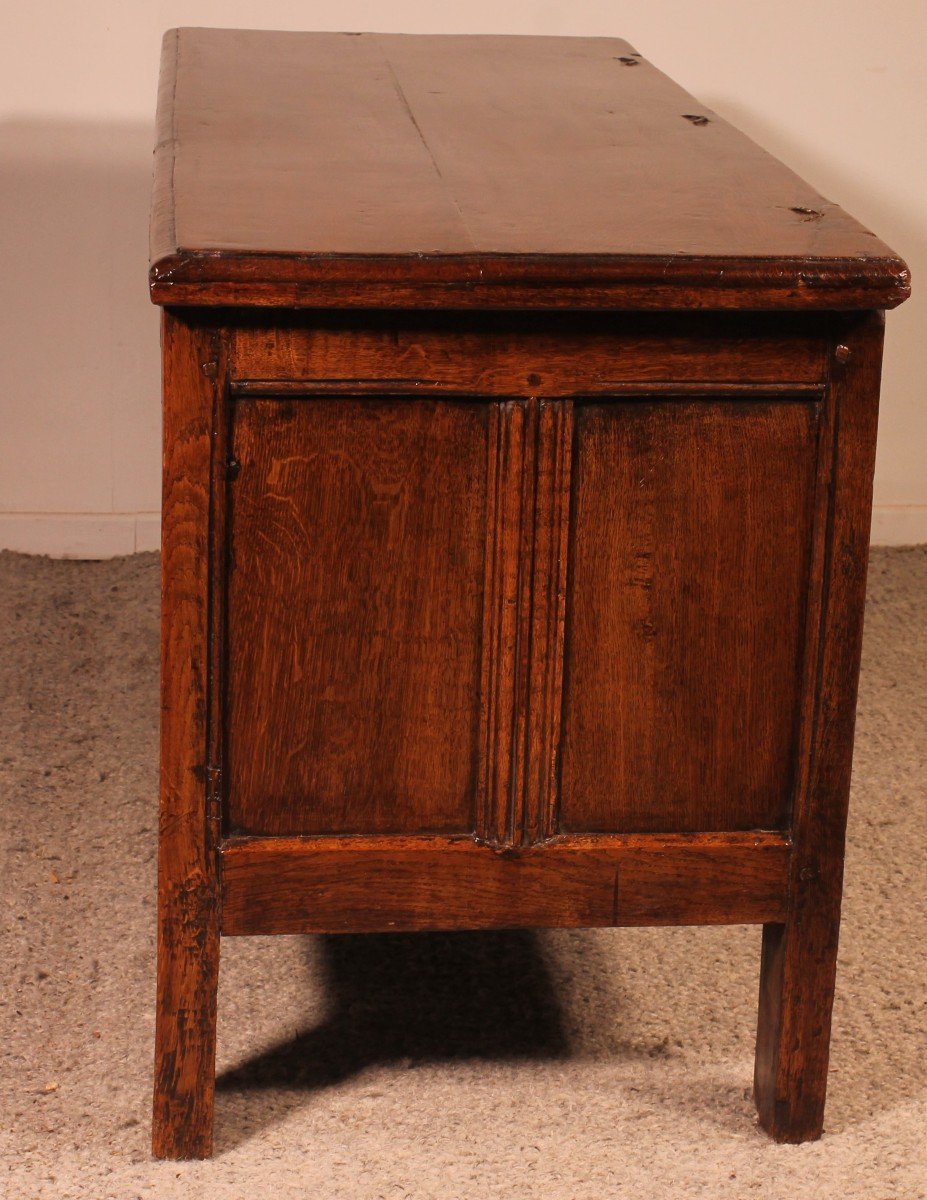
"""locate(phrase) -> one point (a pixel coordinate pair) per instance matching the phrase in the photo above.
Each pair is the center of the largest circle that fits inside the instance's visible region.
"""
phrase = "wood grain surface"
(355, 588)
(329, 885)
(516, 354)
(394, 170)
(188, 885)
(691, 537)
(799, 961)
(523, 617)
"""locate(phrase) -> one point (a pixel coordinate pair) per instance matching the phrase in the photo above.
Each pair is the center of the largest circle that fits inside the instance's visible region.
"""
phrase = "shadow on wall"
(79, 392)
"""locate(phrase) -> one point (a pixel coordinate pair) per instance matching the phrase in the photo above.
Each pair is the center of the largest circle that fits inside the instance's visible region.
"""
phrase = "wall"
(835, 89)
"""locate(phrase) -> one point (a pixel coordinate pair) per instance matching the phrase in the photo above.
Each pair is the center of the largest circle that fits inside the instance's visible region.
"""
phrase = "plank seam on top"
(404, 101)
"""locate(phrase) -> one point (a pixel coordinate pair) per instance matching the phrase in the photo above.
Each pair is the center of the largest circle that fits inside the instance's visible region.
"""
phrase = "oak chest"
(519, 425)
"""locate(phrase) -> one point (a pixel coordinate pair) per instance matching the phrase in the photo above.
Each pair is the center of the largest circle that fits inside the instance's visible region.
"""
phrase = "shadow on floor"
(420, 997)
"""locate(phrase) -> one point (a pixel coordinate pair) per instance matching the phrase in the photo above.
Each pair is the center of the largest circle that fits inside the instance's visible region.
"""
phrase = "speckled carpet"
(565, 1065)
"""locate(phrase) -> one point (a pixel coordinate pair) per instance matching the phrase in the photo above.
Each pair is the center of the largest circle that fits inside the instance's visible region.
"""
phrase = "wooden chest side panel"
(357, 533)
(691, 538)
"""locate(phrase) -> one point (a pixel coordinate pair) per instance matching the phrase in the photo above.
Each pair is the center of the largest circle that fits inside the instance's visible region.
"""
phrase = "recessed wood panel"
(691, 538)
(357, 541)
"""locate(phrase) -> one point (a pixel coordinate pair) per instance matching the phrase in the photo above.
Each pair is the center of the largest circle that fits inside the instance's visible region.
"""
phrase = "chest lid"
(492, 171)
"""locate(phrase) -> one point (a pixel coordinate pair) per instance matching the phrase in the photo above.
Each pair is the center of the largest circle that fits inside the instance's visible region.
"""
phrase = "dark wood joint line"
(306, 388)
(218, 373)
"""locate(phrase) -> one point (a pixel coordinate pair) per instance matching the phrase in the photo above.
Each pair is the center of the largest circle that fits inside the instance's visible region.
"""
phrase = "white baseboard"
(106, 535)
(80, 535)
(148, 532)
(899, 525)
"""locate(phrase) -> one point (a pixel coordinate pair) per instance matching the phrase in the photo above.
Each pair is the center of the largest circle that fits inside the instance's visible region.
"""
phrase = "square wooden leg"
(185, 1030)
(793, 1032)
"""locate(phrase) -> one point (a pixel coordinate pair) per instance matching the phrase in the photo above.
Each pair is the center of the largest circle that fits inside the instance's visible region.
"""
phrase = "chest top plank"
(407, 170)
